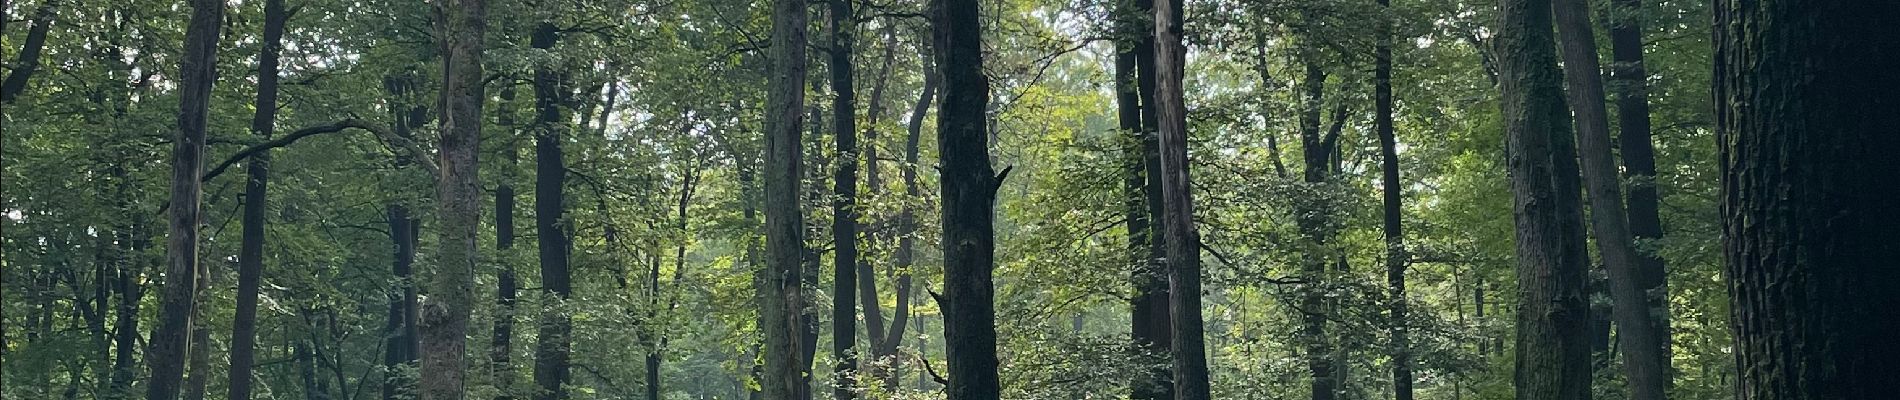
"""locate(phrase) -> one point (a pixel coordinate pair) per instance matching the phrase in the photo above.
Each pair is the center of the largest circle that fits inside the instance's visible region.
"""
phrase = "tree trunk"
(1639, 171)
(968, 191)
(170, 342)
(844, 212)
(125, 325)
(1553, 352)
(550, 176)
(1314, 228)
(1135, 86)
(1392, 196)
(501, 344)
(29, 56)
(1806, 139)
(1188, 346)
(780, 282)
(1644, 371)
(251, 250)
(444, 320)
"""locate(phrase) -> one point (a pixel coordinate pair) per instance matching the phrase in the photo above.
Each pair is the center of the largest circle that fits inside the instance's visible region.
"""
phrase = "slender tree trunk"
(968, 191)
(29, 56)
(1135, 85)
(170, 342)
(780, 282)
(401, 341)
(1188, 346)
(444, 320)
(1313, 224)
(1392, 196)
(1628, 86)
(1553, 352)
(501, 343)
(1645, 372)
(1806, 138)
(125, 325)
(251, 250)
(844, 222)
(550, 176)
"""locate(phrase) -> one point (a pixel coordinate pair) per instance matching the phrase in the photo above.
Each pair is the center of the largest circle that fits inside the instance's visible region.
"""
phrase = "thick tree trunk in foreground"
(1553, 352)
(968, 192)
(1805, 127)
(780, 282)
(550, 177)
(444, 320)
(844, 213)
(251, 250)
(1188, 346)
(1645, 370)
(170, 342)
(1628, 86)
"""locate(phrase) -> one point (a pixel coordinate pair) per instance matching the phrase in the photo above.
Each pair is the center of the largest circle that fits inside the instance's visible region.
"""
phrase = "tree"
(170, 341)
(551, 97)
(1136, 112)
(1645, 366)
(1806, 166)
(1188, 347)
(444, 318)
(968, 192)
(844, 209)
(780, 283)
(1629, 86)
(29, 57)
(1391, 202)
(1553, 352)
(256, 188)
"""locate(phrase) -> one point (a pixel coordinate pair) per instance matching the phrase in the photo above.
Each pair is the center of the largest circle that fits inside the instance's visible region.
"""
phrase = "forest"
(950, 199)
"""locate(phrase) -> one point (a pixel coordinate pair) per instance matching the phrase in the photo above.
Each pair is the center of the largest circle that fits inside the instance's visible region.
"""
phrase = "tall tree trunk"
(968, 191)
(1553, 352)
(171, 342)
(550, 177)
(1188, 346)
(444, 320)
(251, 250)
(501, 343)
(401, 340)
(1314, 228)
(1393, 228)
(780, 283)
(1629, 80)
(844, 212)
(1135, 85)
(1806, 135)
(29, 56)
(125, 325)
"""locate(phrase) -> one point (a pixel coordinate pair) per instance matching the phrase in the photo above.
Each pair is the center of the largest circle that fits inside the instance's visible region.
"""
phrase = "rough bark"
(444, 319)
(780, 282)
(551, 98)
(1188, 347)
(1553, 352)
(170, 342)
(968, 191)
(1806, 138)
(251, 248)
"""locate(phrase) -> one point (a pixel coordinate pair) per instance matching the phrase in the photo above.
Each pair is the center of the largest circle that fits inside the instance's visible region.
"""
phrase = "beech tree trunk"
(1805, 130)
(1553, 350)
(444, 319)
(251, 248)
(171, 342)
